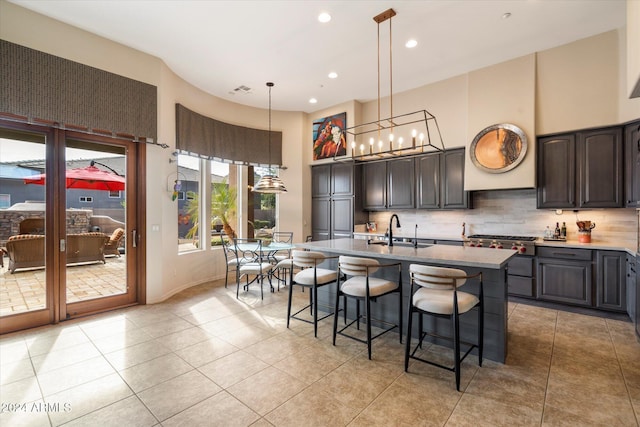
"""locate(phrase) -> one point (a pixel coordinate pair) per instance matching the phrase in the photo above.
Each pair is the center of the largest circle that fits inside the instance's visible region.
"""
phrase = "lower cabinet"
(611, 284)
(521, 279)
(565, 275)
(599, 279)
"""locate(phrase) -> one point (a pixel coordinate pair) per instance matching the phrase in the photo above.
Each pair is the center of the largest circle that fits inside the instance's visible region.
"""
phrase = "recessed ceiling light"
(411, 43)
(313, 101)
(333, 75)
(506, 15)
(324, 17)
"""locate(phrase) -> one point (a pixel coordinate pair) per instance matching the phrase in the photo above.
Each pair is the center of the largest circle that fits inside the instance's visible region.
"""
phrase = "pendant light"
(269, 183)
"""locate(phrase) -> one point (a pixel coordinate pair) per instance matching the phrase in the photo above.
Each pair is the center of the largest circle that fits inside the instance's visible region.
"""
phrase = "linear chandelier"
(396, 136)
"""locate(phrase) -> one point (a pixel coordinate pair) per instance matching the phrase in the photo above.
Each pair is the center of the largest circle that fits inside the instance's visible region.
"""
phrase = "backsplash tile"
(513, 212)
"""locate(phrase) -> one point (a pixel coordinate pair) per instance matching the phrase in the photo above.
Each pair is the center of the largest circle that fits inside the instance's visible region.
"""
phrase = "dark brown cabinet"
(452, 173)
(565, 275)
(556, 172)
(374, 185)
(335, 201)
(581, 170)
(401, 184)
(600, 168)
(632, 164)
(611, 282)
(440, 179)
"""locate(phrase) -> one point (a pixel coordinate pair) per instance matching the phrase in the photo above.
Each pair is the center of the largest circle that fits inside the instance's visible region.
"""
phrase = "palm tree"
(223, 208)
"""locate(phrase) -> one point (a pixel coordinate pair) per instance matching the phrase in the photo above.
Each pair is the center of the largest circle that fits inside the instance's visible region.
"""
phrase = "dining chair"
(436, 294)
(311, 276)
(283, 259)
(251, 262)
(230, 256)
(362, 286)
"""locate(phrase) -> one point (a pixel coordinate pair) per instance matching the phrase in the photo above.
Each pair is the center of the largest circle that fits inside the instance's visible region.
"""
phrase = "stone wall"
(78, 221)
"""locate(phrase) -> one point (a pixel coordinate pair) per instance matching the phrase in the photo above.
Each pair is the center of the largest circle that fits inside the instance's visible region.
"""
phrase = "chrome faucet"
(391, 227)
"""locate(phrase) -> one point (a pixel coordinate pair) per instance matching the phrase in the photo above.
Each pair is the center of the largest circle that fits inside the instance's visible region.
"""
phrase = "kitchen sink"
(400, 244)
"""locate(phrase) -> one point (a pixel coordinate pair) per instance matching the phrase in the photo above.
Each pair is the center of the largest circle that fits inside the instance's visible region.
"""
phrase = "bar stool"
(363, 287)
(438, 296)
(312, 277)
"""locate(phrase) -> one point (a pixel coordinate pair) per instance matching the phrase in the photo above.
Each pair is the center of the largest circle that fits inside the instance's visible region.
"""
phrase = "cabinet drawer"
(566, 253)
(521, 286)
(521, 266)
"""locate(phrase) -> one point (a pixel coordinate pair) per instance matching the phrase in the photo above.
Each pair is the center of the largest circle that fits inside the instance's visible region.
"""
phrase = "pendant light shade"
(269, 183)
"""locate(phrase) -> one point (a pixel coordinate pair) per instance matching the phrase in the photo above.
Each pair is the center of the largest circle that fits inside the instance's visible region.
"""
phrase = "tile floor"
(24, 290)
(205, 358)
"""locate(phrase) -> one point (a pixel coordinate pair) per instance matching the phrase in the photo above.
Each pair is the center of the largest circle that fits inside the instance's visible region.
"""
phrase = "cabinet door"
(401, 184)
(320, 181)
(452, 173)
(565, 281)
(632, 165)
(428, 172)
(341, 217)
(600, 169)
(342, 179)
(556, 172)
(321, 216)
(374, 184)
(611, 280)
(631, 286)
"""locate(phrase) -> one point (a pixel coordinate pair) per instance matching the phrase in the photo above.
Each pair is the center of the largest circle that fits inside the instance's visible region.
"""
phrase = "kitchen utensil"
(585, 225)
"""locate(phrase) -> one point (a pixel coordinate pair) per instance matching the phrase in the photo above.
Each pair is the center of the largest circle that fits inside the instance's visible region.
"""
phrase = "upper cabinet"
(581, 170)
(441, 181)
(632, 164)
(429, 181)
(374, 186)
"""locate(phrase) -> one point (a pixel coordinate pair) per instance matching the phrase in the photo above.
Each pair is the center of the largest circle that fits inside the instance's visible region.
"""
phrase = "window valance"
(38, 85)
(212, 138)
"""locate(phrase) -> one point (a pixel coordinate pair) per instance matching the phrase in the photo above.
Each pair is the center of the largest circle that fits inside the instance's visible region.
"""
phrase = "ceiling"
(223, 46)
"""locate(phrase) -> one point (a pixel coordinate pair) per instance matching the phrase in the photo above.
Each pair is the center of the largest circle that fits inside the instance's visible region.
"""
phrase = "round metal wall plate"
(498, 148)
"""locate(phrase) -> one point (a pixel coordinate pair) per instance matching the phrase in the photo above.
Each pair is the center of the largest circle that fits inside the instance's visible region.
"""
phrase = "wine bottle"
(556, 234)
(563, 230)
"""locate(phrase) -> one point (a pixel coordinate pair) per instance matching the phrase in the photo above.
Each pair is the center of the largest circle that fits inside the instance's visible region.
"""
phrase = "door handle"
(63, 245)
(134, 238)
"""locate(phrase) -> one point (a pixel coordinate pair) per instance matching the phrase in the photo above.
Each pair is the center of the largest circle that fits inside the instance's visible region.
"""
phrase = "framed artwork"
(329, 138)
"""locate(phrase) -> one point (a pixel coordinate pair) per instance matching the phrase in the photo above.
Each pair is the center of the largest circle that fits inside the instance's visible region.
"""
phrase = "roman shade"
(212, 138)
(37, 85)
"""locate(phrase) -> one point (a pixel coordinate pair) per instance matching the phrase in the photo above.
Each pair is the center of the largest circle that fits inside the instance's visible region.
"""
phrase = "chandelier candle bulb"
(361, 149)
(371, 146)
(400, 141)
(390, 142)
(413, 138)
(353, 149)
(380, 146)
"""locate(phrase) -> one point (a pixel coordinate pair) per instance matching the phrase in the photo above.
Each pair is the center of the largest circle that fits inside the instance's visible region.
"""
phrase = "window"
(264, 205)
(5, 201)
(114, 194)
(189, 206)
(86, 199)
(224, 200)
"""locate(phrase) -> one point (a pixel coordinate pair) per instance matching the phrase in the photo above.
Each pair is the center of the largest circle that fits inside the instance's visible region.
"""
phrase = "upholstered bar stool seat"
(438, 295)
(363, 286)
(311, 276)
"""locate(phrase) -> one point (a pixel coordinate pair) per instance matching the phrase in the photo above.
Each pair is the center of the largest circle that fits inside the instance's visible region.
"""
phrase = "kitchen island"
(491, 262)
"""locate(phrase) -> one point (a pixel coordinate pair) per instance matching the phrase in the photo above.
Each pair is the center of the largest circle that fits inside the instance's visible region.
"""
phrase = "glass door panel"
(96, 226)
(26, 286)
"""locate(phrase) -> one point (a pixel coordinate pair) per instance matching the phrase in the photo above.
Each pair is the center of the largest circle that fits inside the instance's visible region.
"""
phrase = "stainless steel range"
(525, 245)
(521, 270)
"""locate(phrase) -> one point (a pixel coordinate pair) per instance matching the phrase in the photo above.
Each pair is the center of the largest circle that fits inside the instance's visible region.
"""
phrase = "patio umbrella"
(89, 178)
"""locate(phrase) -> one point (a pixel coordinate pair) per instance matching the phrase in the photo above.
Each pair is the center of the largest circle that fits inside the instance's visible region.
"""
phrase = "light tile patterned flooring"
(204, 358)
(24, 290)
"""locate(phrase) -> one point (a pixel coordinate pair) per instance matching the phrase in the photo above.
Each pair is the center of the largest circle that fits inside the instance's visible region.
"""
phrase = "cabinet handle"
(563, 254)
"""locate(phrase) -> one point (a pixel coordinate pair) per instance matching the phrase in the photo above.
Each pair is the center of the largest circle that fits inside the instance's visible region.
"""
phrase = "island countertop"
(436, 254)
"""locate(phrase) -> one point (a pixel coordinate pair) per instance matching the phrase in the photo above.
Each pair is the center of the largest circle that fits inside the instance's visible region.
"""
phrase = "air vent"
(241, 89)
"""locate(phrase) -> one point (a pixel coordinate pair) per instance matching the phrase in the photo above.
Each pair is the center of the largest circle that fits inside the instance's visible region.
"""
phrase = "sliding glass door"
(68, 225)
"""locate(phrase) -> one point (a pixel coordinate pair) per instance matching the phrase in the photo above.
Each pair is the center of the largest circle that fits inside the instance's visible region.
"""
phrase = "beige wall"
(633, 47)
(504, 93)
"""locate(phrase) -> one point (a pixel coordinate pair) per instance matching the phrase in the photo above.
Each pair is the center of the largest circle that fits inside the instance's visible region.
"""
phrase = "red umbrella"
(89, 178)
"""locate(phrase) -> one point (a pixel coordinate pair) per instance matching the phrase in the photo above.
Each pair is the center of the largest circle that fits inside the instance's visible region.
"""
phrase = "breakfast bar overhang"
(491, 262)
